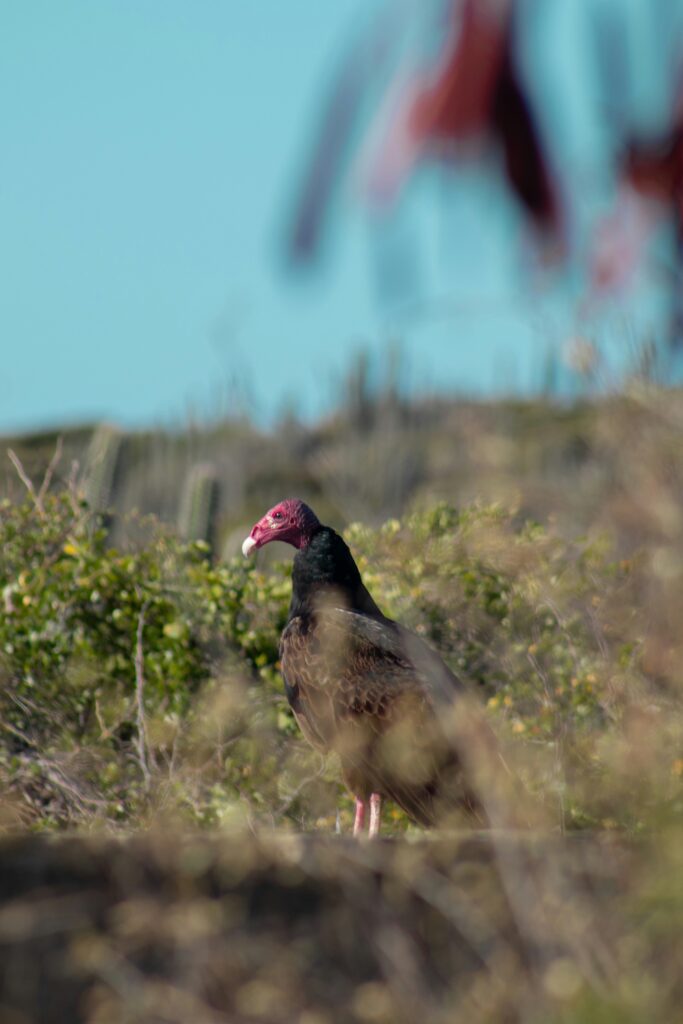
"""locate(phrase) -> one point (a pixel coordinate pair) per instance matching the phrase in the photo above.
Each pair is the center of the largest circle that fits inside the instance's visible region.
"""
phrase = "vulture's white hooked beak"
(248, 546)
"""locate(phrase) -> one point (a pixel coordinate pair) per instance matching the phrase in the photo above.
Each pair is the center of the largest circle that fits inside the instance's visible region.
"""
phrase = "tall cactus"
(200, 499)
(103, 466)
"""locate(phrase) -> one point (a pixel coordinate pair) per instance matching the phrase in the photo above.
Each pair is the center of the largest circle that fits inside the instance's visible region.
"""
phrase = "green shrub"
(145, 682)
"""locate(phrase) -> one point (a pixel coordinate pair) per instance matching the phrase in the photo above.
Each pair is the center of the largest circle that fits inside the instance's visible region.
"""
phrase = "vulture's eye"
(277, 515)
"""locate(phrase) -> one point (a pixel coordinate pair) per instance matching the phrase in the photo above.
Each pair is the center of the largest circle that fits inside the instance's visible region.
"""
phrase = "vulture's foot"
(375, 815)
(359, 819)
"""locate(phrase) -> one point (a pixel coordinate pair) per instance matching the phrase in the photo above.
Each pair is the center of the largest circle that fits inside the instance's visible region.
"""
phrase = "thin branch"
(49, 472)
(288, 801)
(19, 733)
(26, 480)
(72, 488)
(68, 786)
(7, 599)
(105, 733)
(145, 755)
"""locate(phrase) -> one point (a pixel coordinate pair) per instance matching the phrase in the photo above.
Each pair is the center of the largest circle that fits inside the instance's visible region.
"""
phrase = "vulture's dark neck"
(327, 565)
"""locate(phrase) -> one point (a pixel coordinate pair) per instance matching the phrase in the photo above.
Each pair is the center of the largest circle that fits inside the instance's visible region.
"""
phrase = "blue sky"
(148, 156)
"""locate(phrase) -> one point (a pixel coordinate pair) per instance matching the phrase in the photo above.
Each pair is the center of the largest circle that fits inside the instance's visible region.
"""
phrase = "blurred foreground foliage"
(270, 928)
(144, 682)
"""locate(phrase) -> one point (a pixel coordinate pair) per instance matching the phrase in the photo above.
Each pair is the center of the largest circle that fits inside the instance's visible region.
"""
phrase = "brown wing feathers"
(360, 684)
(355, 691)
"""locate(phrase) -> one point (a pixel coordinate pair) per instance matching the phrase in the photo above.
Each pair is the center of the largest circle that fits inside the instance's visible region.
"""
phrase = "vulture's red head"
(290, 521)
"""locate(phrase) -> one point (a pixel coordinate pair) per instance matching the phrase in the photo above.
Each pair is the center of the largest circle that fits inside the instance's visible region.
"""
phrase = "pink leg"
(359, 820)
(375, 814)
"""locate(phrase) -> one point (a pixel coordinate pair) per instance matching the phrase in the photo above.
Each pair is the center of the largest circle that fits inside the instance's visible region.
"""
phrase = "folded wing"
(375, 694)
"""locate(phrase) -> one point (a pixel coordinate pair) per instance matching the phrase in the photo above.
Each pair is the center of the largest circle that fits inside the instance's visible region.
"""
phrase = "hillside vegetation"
(591, 465)
(140, 685)
(145, 681)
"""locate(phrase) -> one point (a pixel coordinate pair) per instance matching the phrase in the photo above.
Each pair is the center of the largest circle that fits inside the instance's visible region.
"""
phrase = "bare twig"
(72, 488)
(145, 755)
(78, 799)
(23, 702)
(105, 733)
(174, 753)
(26, 480)
(69, 786)
(287, 803)
(7, 598)
(49, 472)
(19, 733)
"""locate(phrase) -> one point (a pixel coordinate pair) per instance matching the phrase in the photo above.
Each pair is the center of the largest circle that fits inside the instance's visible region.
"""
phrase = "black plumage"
(362, 685)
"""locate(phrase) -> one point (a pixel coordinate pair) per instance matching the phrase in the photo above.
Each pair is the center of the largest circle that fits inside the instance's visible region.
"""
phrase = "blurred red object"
(655, 169)
(618, 243)
(651, 187)
(470, 102)
(473, 97)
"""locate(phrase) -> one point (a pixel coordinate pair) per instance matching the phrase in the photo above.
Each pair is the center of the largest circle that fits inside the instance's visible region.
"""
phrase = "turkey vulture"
(362, 685)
